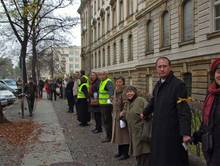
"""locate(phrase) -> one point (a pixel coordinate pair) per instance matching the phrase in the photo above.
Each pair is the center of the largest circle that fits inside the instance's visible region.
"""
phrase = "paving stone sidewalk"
(50, 147)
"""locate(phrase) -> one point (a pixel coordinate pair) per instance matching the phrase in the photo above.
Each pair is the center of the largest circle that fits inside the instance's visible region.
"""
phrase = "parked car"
(6, 96)
(10, 84)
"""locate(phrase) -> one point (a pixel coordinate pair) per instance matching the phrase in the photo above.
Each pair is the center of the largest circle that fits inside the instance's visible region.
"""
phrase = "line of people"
(155, 132)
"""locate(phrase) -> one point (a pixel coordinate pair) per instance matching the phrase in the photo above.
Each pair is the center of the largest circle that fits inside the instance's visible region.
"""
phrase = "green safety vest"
(103, 94)
(80, 94)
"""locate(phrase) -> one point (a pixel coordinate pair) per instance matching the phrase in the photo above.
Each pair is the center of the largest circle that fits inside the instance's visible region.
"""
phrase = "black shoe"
(124, 157)
(97, 131)
(93, 130)
(117, 155)
(106, 140)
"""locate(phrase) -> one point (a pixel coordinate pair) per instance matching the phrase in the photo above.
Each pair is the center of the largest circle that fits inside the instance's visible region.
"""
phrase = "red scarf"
(207, 106)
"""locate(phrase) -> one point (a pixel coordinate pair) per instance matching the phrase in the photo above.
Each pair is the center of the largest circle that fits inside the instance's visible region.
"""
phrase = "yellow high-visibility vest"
(80, 94)
(103, 94)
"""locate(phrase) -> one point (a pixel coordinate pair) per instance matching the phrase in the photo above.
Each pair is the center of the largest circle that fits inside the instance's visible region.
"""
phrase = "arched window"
(103, 57)
(130, 47)
(165, 29)
(121, 51)
(99, 58)
(114, 54)
(187, 20)
(150, 36)
(109, 56)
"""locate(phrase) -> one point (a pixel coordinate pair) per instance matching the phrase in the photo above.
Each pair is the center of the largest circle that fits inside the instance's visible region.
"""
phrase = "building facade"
(126, 37)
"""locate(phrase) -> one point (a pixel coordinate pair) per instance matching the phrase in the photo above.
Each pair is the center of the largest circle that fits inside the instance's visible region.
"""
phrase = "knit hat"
(215, 65)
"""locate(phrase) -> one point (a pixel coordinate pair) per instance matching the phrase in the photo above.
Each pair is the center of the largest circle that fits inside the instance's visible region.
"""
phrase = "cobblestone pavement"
(85, 147)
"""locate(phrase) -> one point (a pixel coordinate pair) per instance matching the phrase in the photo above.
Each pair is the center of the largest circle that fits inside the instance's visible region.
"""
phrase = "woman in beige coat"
(139, 129)
(120, 135)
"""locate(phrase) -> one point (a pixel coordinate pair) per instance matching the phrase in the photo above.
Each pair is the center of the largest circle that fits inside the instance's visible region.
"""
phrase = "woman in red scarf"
(209, 132)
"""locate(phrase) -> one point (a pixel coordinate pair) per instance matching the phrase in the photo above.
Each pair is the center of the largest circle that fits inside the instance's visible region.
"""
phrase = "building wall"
(189, 58)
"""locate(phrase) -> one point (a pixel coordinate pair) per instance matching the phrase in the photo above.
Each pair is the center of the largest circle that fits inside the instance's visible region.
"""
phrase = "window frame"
(148, 49)
(182, 41)
(162, 43)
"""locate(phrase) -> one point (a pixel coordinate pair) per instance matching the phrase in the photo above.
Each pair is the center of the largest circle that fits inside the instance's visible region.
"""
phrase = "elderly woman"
(120, 135)
(139, 144)
(209, 132)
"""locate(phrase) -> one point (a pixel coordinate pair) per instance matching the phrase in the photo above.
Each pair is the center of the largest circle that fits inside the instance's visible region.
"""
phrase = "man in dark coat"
(30, 92)
(69, 94)
(171, 118)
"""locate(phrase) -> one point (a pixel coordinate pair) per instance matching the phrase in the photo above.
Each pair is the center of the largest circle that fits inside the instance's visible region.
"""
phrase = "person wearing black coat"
(69, 95)
(171, 127)
(209, 132)
(30, 92)
(83, 115)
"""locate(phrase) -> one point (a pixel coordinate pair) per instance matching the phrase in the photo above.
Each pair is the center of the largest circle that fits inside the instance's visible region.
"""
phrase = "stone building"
(126, 37)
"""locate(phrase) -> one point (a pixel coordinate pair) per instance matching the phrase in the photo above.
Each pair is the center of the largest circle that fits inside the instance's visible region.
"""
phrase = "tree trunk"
(34, 58)
(2, 117)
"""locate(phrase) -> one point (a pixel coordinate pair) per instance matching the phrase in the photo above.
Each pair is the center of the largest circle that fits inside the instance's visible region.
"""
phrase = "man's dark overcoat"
(171, 121)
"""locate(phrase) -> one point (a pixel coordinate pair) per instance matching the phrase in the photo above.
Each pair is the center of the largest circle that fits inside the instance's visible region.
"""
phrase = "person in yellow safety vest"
(83, 114)
(106, 92)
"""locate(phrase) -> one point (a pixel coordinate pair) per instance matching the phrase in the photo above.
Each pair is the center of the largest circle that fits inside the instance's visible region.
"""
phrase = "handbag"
(58, 91)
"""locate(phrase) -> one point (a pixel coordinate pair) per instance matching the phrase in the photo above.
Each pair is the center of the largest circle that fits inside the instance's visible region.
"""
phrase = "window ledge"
(183, 43)
(213, 35)
(149, 52)
(165, 48)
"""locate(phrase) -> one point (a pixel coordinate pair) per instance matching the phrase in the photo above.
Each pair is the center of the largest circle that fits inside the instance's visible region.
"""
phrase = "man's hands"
(142, 116)
(186, 139)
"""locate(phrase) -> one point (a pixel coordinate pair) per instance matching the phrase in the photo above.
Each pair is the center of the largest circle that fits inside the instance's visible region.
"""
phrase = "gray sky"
(72, 11)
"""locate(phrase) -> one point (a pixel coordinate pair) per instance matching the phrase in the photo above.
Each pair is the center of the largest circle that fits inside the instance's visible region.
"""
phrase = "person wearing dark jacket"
(209, 132)
(171, 126)
(94, 104)
(30, 92)
(83, 115)
(69, 95)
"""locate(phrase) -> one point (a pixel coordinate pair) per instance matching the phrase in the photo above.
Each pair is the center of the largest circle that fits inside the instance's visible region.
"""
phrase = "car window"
(10, 82)
(2, 87)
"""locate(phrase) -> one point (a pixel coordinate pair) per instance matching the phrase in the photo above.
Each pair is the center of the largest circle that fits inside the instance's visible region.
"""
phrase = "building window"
(99, 29)
(187, 20)
(109, 56)
(103, 25)
(95, 32)
(121, 51)
(114, 20)
(115, 54)
(92, 60)
(130, 7)
(94, 7)
(103, 57)
(95, 60)
(76, 65)
(217, 15)
(108, 22)
(99, 59)
(187, 78)
(130, 47)
(71, 66)
(98, 4)
(165, 22)
(71, 59)
(121, 12)
(150, 36)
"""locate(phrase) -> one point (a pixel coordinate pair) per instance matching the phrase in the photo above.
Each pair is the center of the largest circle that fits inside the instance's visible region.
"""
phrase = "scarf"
(207, 106)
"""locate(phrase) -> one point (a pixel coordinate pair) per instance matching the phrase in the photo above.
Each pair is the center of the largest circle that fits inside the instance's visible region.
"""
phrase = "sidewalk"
(50, 149)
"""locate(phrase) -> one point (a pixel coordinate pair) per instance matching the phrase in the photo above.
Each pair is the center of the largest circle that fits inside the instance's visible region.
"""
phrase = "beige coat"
(138, 145)
(120, 136)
